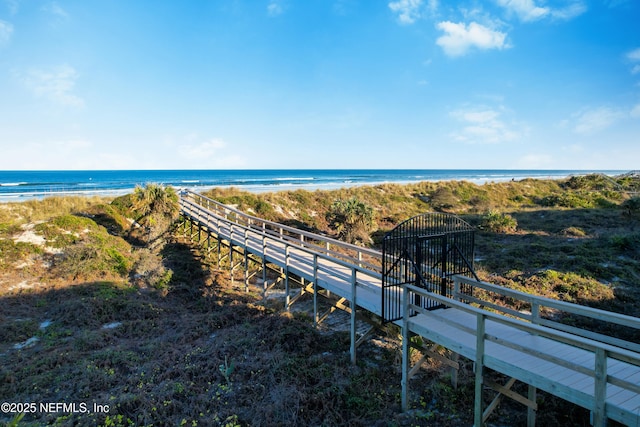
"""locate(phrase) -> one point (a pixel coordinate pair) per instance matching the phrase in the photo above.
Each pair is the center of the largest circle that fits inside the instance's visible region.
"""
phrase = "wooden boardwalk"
(594, 371)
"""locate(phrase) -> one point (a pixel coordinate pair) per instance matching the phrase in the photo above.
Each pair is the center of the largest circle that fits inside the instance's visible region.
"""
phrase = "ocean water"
(21, 185)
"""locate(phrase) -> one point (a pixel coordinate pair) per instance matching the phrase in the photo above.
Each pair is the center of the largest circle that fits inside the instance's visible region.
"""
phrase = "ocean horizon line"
(303, 169)
(22, 185)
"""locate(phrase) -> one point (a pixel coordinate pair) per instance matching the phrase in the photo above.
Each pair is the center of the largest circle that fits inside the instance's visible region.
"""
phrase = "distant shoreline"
(18, 186)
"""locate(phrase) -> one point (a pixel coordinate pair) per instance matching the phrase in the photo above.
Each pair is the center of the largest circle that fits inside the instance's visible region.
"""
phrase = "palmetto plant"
(157, 207)
(155, 199)
(352, 219)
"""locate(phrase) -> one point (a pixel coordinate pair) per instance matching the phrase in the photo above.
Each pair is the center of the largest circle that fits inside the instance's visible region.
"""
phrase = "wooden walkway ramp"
(529, 345)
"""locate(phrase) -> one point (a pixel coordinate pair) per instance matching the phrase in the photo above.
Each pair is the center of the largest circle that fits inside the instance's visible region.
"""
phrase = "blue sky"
(235, 84)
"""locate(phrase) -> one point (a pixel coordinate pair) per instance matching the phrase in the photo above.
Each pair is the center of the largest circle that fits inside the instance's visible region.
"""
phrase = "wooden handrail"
(621, 319)
(538, 302)
(255, 223)
(294, 230)
(551, 333)
(231, 224)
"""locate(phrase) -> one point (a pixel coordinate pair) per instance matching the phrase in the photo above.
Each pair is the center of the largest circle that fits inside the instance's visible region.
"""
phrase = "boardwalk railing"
(590, 373)
(524, 339)
(541, 311)
(347, 271)
(322, 245)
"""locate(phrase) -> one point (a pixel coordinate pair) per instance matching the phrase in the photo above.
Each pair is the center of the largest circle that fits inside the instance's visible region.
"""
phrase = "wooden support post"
(264, 278)
(354, 279)
(454, 371)
(246, 270)
(477, 412)
(405, 350)
(315, 290)
(246, 261)
(286, 277)
(600, 392)
(264, 264)
(231, 262)
(531, 412)
(535, 312)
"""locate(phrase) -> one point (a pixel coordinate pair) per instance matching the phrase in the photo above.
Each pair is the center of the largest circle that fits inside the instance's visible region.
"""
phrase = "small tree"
(352, 219)
(157, 207)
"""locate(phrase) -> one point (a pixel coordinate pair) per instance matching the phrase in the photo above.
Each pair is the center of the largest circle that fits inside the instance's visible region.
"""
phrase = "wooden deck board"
(443, 326)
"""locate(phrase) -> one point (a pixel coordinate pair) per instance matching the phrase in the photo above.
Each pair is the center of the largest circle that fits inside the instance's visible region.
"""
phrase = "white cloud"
(6, 30)
(460, 38)
(634, 55)
(275, 8)
(408, 10)
(525, 9)
(208, 149)
(635, 112)
(482, 125)
(56, 11)
(433, 5)
(594, 120)
(576, 8)
(528, 10)
(55, 84)
(209, 154)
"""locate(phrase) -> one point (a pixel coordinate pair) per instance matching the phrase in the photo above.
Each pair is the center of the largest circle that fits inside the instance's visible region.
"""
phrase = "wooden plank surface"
(450, 327)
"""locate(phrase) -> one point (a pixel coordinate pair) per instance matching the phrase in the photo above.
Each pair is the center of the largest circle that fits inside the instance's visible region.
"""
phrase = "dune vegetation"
(106, 302)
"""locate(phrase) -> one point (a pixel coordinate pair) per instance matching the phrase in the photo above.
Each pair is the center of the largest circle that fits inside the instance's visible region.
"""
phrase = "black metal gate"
(424, 251)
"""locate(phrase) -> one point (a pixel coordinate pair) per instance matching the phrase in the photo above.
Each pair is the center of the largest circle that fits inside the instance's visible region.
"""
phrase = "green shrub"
(575, 287)
(93, 253)
(65, 230)
(124, 205)
(443, 199)
(632, 205)
(626, 243)
(12, 252)
(567, 200)
(499, 222)
(9, 229)
(262, 208)
(592, 182)
(120, 264)
(573, 232)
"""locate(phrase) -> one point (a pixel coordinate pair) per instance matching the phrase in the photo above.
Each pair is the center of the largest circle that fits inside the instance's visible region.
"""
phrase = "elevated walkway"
(594, 371)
